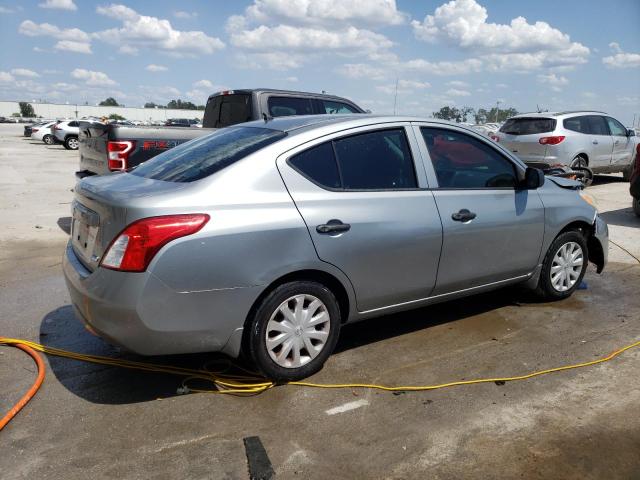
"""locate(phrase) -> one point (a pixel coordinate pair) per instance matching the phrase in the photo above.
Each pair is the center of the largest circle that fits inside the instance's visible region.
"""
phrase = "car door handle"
(463, 215)
(595, 142)
(333, 226)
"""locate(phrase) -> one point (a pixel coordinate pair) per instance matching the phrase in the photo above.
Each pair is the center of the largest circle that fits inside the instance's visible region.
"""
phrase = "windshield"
(528, 126)
(207, 155)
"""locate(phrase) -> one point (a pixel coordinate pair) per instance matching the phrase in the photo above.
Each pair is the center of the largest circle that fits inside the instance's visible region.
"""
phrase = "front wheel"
(71, 143)
(294, 330)
(564, 266)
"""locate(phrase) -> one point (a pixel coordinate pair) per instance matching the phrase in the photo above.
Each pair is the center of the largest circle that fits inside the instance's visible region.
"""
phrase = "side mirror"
(533, 178)
(631, 132)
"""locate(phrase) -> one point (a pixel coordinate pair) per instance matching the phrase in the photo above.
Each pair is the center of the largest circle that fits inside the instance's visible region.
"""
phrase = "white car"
(43, 132)
(66, 132)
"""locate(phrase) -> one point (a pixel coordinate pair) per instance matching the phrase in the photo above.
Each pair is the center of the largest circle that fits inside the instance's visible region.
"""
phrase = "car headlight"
(589, 199)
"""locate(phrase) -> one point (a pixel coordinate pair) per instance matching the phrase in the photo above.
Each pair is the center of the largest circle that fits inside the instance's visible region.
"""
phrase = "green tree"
(151, 105)
(495, 115)
(26, 110)
(182, 105)
(109, 102)
(481, 116)
(447, 113)
(115, 116)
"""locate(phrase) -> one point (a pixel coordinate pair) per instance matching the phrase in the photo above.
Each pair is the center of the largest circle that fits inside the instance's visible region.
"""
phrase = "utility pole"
(497, 109)
(395, 98)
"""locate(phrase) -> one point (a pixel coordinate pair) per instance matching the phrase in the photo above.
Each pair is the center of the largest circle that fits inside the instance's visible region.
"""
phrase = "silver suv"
(66, 133)
(575, 139)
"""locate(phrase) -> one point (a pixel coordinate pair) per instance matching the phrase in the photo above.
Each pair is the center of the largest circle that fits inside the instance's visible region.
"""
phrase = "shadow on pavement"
(624, 217)
(113, 385)
(607, 179)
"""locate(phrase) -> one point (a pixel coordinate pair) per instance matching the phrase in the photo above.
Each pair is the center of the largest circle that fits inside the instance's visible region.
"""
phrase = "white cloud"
(59, 4)
(552, 80)
(201, 91)
(362, 70)
(203, 84)
(321, 12)
(71, 46)
(141, 31)
(458, 84)
(93, 79)
(65, 87)
(620, 59)
(156, 68)
(6, 77)
(284, 37)
(463, 23)
(413, 84)
(460, 67)
(404, 87)
(291, 79)
(24, 72)
(454, 92)
(185, 15)
(272, 60)
(32, 29)
(10, 10)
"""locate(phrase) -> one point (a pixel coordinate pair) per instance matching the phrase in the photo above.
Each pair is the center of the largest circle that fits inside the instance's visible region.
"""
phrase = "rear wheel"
(48, 139)
(71, 143)
(564, 266)
(294, 330)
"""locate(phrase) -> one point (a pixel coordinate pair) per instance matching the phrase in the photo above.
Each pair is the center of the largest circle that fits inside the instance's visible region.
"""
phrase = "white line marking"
(348, 406)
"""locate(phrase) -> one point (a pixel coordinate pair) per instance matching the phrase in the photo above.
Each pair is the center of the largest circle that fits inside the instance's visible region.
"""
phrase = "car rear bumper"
(142, 314)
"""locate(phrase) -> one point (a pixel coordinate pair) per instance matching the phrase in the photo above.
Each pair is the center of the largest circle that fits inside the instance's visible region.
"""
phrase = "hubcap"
(566, 266)
(73, 143)
(297, 331)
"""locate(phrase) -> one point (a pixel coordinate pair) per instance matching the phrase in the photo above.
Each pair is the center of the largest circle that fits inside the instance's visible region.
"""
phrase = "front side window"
(286, 106)
(461, 161)
(616, 127)
(207, 155)
(330, 106)
(378, 160)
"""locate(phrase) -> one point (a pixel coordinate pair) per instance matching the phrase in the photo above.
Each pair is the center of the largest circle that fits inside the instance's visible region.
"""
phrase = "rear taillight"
(34, 130)
(551, 140)
(118, 153)
(135, 247)
(495, 138)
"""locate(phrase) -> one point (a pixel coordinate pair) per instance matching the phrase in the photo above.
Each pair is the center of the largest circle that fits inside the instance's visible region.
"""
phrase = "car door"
(622, 143)
(601, 147)
(368, 211)
(492, 230)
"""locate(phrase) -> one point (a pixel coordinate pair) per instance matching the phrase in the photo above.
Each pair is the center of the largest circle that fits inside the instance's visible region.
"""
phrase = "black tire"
(580, 162)
(48, 139)
(545, 288)
(71, 143)
(626, 173)
(257, 331)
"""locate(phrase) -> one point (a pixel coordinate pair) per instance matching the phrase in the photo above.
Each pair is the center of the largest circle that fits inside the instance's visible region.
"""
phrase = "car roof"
(275, 90)
(300, 123)
(557, 114)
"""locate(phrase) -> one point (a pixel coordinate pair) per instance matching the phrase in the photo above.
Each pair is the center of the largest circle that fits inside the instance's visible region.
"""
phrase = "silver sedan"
(267, 237)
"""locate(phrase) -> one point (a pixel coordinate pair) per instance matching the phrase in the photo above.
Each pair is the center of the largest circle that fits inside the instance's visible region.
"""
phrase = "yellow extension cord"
(251, 384)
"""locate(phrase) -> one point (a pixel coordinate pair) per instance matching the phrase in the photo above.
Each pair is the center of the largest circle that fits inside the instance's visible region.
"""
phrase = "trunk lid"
(104, 205)
(521, 135)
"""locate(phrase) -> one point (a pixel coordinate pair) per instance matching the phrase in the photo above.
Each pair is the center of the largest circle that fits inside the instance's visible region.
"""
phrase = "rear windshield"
(227, 110)
(528, 126)
(207, 155)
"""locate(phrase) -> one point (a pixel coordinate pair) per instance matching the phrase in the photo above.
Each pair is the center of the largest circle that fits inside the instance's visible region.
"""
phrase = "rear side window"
(329, 106)
(319, 165)
(577, 124)
(528, 126)
(461, 161)
(207, 155)
(379, 160)
(286, 106)
(597, 125)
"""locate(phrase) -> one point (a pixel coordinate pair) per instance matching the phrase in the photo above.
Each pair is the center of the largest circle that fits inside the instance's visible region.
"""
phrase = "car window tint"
(577, 124)
(234, 109)
(330, 106)
(461, 161)
(616, 127)
(597, 125)
(285, 106)
(528, 126)
(73, 124)
(207, 155)
(378, 160)
(319, 165)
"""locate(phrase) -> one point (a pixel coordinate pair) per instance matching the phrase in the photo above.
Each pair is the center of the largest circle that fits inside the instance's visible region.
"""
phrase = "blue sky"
(553, 54)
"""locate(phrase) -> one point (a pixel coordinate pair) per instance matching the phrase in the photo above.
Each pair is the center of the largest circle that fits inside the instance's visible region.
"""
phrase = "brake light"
(134, 248)
(118, 154)
(34, 130)
(551, 140)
